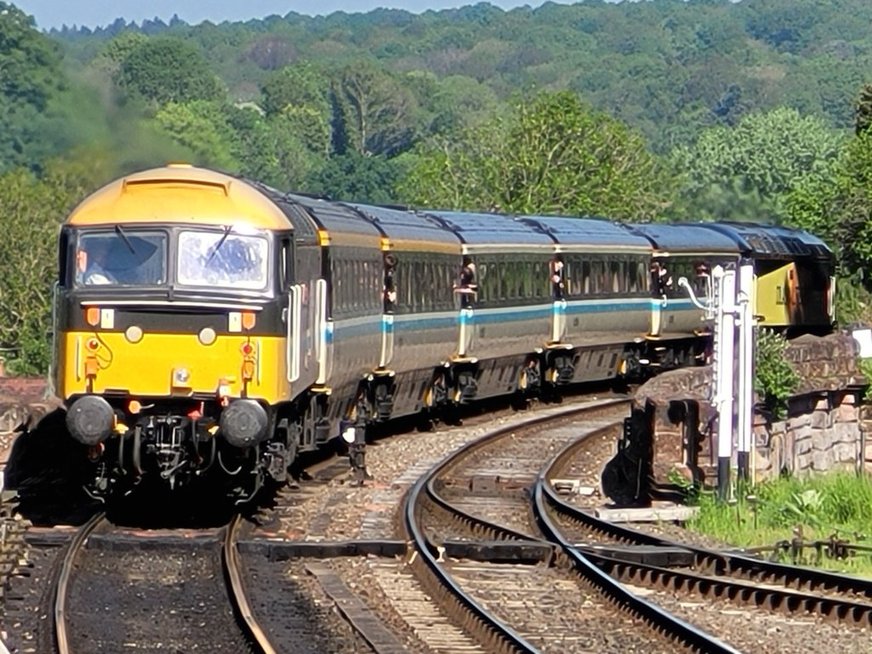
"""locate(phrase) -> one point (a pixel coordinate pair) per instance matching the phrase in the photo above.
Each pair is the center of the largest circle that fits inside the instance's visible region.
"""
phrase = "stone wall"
(823, 429)
(823, 432)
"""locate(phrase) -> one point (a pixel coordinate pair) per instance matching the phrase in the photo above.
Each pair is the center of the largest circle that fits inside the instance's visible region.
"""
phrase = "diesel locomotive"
(212, 325)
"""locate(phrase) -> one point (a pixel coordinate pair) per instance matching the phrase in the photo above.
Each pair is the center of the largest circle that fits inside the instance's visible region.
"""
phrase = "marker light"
(92, 316)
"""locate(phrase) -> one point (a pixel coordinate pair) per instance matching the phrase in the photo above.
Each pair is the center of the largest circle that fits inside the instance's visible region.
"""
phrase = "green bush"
(775, 380)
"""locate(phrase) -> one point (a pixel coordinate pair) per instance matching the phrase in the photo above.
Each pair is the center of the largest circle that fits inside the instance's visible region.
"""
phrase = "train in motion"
(211, 325)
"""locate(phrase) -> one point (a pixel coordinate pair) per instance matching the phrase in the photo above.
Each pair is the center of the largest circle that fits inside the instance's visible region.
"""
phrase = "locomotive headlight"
(133, 334)
(207, 336)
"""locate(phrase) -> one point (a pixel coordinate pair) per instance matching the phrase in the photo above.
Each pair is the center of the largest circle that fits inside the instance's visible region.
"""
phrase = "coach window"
(592, 279)
(485, 283)
(617, 276)
(506, 281)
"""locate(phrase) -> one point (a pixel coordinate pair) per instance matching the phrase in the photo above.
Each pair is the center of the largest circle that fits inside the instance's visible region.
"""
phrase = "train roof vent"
(765, 244)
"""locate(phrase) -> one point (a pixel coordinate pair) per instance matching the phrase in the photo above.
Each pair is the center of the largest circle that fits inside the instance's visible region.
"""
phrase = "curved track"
(715, 574)
(466, 589)
(238, 593)
(62, 639)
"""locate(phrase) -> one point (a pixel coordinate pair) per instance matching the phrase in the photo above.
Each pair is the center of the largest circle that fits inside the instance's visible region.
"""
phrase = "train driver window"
(121, 257)
(223, 259)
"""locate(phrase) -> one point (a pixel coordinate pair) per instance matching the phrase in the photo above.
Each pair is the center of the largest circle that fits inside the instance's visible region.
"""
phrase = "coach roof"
(593, 232)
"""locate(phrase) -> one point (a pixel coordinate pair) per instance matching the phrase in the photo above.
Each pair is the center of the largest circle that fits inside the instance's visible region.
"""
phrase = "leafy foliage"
(165, 70)
(810, 509)
(775, 378)
(32, 208)
(839, 207)
(30, 83)
(376, 110)
(553, 155)
(359, 178)
(745, 172)
(863, 112)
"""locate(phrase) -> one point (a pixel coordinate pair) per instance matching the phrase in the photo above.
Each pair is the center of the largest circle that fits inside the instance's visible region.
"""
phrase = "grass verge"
(817, 513)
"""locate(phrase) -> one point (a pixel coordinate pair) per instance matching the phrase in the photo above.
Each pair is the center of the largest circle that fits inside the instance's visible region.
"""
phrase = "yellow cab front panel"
(173, 365)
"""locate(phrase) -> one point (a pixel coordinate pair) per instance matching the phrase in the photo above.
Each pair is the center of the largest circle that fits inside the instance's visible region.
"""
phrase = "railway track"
(712, 574)
(511, 606)
(374, 592)
(118, 589)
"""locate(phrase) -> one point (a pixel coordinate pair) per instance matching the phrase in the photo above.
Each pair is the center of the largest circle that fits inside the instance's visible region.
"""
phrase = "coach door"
(322, 327)
(294, 339)
(389, 301)
(466, 290)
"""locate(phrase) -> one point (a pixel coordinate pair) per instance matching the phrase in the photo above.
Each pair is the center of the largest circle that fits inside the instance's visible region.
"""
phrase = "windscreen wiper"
(124, 238)
(220, 243)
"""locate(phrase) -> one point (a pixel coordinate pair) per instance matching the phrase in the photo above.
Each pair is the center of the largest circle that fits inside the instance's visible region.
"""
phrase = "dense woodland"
(659, 110)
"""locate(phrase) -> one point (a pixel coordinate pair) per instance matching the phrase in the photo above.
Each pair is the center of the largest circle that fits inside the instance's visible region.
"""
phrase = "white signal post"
(745, 413)
(731, 308)
(724, 370)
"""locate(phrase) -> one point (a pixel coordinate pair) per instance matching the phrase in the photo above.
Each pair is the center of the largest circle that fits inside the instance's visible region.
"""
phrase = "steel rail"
(722, 562)
(655, 616)
(243, 610)
(502, 637)
(784, 599)
(499, 636)
(63, 581)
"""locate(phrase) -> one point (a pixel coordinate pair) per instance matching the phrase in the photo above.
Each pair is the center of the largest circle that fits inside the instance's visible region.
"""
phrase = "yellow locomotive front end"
(172, 329)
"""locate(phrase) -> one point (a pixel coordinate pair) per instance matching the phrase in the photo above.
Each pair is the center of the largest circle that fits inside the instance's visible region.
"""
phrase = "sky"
(96, 13)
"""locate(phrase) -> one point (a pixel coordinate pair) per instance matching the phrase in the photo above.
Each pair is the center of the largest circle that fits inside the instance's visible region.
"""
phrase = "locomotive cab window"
(121, 257)
(223, 258)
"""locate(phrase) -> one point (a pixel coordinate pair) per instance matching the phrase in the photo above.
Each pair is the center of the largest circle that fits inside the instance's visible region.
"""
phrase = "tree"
(551, 155)
(863, 111)
(32, 207)
(838, 208)
(300, 85)
(376, 113)
(747, 171)
(162, 70)
(202, 128)
(31, 78)
(355, 177)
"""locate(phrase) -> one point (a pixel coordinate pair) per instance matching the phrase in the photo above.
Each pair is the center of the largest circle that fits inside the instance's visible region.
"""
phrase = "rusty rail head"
(715, 562)
(242, 608)
(652, 614)
(66, 572)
